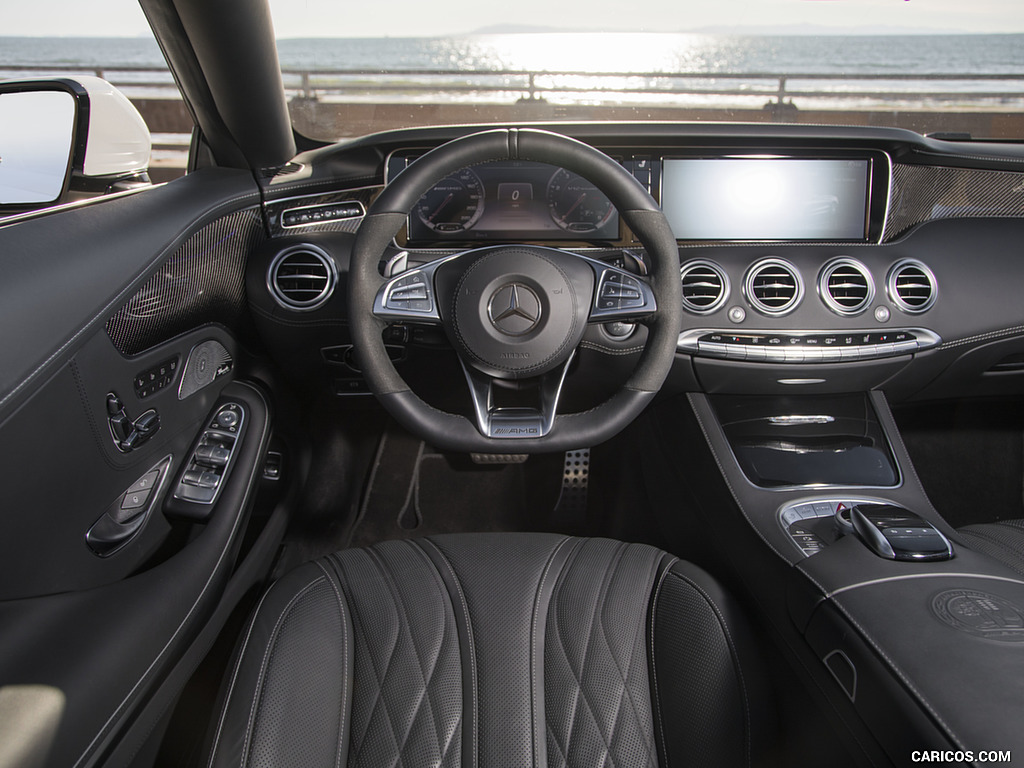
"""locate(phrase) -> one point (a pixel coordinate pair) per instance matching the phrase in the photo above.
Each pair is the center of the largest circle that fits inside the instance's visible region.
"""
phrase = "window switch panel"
(203, 475)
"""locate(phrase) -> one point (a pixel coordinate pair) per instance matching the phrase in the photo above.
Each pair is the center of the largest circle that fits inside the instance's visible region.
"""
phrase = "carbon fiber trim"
(276, 208)
(202, 283)
(925, 193)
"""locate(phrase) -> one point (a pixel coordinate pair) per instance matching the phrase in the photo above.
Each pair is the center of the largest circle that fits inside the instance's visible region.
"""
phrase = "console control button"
(135, 500)
(806, 347)
(146, 482)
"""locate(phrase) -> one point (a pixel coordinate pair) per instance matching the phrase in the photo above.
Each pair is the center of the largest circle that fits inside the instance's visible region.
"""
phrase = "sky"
(416, 18)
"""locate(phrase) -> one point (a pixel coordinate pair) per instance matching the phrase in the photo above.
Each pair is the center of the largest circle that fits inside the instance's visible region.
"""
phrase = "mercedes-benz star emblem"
(514, 309)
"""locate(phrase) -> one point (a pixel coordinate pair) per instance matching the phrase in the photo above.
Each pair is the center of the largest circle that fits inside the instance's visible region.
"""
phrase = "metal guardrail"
(778, 88)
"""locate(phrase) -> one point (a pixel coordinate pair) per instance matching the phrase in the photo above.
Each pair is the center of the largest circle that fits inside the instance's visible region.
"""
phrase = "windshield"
(942, 66)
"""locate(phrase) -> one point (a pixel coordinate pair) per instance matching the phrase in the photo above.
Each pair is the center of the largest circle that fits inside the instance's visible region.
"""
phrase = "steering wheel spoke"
(518, 422)
(619, 295)
(410, 296)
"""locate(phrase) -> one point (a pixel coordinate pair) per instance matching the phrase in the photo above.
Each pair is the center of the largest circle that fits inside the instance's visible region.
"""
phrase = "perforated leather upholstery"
(493, 651)
(1004, 541)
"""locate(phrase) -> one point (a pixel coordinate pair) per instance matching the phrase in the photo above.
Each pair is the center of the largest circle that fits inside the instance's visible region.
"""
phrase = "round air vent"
(846, 286)
(302, 277)
(773, 287)
(911, 286)
(705, 286)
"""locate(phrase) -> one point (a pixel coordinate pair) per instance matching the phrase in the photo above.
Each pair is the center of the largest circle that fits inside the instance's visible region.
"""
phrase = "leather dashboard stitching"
(991, 335)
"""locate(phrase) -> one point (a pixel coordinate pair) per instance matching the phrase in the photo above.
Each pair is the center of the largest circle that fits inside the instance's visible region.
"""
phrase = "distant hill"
(765, 30)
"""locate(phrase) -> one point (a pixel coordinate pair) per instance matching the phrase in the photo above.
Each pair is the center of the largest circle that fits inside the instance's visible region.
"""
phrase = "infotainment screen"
(732, 198)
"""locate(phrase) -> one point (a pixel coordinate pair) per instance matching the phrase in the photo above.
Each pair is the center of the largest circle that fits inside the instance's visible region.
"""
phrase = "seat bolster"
(288, 696)
(708, 683)
(1003, 541)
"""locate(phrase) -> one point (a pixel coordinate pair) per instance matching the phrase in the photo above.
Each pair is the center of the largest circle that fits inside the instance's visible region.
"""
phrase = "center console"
(892, 611)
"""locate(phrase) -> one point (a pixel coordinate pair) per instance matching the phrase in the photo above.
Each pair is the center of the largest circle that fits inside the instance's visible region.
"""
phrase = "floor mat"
(414, 491)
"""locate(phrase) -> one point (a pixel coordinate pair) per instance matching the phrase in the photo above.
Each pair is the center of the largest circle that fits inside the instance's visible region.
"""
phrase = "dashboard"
(733, 196)
(813, 260)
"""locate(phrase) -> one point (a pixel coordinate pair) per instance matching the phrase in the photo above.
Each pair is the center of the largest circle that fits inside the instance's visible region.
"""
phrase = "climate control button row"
(806, 347)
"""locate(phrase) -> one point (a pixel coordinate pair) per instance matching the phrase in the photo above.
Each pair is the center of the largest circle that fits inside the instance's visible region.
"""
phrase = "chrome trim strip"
(689, 343)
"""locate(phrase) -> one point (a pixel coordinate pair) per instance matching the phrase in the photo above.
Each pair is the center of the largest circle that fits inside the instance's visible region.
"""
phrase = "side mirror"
(66, 139)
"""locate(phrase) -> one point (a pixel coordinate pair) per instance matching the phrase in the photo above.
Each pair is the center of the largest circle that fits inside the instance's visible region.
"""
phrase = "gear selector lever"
(896, 533)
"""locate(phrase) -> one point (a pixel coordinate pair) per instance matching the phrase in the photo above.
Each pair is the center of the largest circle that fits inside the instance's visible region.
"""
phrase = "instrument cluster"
(509, 200)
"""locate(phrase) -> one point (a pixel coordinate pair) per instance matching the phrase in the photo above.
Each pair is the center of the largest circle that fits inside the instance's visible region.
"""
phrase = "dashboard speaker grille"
(202, 282)
(846, 286)
(301, 277)
(773, 287)
(705, 286)
(912, 286)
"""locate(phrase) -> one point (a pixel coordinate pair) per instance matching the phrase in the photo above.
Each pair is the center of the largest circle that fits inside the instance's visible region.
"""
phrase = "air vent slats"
(846, 286)
(301, 277)
(911, 286)
(773, 287)
(705, 286)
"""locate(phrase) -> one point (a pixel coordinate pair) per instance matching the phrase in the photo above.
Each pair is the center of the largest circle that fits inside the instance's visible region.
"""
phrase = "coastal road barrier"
(337, 104)
(777, 90)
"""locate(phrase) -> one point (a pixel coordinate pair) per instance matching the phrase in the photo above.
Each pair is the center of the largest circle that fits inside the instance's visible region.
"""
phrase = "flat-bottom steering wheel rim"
(638, 210)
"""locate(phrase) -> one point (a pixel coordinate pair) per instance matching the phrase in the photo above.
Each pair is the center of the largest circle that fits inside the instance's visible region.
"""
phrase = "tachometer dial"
(576, 205)
(454, 204)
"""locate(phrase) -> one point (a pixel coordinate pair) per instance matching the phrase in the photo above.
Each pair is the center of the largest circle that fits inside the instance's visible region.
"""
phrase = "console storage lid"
(932, 654)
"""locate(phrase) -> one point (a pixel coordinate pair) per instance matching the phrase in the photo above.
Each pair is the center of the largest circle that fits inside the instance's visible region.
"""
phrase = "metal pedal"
(571, 507)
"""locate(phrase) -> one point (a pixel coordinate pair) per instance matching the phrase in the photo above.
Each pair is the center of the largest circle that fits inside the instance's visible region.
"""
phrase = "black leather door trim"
(107, 648)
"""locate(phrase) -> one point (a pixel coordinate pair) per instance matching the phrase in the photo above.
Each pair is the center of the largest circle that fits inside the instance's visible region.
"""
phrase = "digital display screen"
(766, 198)
(513, 200)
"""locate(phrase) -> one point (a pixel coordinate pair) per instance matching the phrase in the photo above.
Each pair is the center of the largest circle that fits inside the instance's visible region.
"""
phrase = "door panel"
(100, 300)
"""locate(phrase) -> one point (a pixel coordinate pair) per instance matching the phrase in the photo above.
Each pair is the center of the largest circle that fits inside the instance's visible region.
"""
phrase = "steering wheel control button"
(410, 293)
(801, 347)
(619, 293)
(514, 309)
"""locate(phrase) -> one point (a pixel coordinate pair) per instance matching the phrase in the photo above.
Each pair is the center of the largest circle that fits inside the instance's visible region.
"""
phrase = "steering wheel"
(515, 311)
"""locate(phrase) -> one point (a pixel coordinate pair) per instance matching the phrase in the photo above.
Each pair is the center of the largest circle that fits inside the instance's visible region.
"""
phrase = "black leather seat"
(494, 651)
(1003, 540)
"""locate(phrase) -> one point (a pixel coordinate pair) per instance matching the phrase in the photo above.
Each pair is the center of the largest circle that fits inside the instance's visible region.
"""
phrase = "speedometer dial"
(454, 204)
(576, 205)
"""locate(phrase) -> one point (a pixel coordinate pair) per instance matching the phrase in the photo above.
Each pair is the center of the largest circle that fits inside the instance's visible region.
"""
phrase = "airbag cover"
(519, 311)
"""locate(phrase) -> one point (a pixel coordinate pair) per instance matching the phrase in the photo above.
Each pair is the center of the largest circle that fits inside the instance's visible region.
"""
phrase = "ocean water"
(634, 55)
(617, 52)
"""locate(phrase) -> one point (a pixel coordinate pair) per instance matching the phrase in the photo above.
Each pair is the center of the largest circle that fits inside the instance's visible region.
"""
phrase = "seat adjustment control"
(128, 434)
